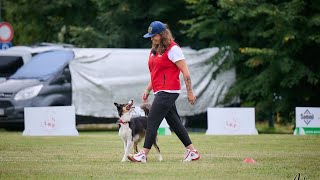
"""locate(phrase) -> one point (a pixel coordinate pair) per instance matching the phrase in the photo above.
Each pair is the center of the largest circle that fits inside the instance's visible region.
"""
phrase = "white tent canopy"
(101, 77)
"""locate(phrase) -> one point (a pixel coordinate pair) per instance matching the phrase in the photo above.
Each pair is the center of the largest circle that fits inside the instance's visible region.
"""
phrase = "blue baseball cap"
(155, 27)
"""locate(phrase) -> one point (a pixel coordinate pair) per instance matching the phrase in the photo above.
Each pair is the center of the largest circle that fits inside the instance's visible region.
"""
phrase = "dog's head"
(123, 108)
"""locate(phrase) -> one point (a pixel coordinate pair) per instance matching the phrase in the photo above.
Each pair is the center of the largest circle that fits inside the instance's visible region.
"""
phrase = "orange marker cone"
(249, 160)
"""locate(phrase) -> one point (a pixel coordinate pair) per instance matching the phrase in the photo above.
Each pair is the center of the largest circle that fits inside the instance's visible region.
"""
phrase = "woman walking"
(166, 61)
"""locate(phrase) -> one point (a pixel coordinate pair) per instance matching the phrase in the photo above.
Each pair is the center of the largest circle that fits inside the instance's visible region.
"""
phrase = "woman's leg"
(161, 105)
(175, 123)
(164, 106)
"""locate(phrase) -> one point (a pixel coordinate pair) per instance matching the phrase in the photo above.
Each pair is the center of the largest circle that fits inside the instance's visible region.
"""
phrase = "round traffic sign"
(6, 32)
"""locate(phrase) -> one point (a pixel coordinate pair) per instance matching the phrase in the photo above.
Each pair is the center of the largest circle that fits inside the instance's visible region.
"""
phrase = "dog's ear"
(116, 104)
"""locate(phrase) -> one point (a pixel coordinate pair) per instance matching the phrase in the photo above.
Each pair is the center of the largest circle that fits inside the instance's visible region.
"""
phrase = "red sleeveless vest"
(164, 73)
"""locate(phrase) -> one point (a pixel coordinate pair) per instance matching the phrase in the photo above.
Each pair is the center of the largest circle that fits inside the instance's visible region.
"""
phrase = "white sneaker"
(191, 155)
(139, 157)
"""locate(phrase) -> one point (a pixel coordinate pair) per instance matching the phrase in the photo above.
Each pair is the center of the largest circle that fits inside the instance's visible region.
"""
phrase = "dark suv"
(43, 81)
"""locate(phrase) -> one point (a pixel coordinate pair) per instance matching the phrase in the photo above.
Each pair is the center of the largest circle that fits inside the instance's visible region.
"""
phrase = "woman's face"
(156, 39)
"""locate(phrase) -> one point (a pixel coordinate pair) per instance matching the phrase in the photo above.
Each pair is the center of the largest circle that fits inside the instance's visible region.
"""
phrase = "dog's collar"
(122, 122)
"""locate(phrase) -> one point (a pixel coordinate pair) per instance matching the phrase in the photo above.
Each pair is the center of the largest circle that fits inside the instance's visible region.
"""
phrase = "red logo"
(232, 124)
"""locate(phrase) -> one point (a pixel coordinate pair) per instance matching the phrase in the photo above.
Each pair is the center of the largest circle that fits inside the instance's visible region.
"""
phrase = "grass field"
(97, 155)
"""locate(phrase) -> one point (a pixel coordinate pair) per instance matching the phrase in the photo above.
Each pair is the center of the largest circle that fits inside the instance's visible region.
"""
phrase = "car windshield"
(45, 65)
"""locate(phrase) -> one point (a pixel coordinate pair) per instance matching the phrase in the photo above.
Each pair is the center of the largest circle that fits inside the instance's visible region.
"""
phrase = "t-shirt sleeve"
(175, 54)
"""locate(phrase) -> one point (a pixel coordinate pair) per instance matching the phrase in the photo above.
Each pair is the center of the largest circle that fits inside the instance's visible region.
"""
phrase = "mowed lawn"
(97, 155)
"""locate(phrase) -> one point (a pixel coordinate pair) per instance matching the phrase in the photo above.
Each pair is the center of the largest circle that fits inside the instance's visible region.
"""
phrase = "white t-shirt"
(175, 54)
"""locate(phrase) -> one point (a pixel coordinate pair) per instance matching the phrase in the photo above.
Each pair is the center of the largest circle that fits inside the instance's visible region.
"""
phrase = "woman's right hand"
(192, 98)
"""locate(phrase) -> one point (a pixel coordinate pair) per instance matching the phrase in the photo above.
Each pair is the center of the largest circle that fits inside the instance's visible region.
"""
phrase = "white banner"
(50, 121)
(231, 121)
(307, 120)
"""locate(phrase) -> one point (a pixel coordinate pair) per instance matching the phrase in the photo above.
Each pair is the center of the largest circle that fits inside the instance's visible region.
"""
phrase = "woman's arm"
(149, 87)
(182, 65)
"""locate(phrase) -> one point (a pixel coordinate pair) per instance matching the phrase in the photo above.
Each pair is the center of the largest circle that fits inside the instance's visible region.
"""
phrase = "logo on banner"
(232, 124)
(307, 117)
(50, 122)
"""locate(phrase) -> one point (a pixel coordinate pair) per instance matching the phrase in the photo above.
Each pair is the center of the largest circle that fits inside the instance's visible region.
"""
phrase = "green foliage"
(86, 37)
(37, 21)
(275, 44)
(124, 22)
(91, 23)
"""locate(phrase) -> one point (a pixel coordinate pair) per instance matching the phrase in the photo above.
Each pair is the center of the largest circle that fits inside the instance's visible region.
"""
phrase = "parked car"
(11, 61)
(13, 58)
(43, 81)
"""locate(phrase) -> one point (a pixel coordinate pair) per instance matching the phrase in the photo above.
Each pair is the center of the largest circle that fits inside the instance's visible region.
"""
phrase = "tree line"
(275, 43)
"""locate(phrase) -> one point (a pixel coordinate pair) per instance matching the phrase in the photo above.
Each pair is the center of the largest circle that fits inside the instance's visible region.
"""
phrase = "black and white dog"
(133, 128)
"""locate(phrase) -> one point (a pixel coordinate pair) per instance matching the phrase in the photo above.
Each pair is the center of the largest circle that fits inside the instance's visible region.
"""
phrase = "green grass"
(97, 155)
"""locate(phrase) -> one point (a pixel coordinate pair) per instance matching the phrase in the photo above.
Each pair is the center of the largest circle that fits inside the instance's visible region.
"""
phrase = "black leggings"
(164, 106)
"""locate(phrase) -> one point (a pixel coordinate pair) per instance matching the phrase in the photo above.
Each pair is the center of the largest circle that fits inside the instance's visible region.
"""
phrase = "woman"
(166, 61)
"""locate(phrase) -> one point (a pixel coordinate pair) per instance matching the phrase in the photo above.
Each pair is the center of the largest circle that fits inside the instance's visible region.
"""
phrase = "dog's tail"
(146, 108)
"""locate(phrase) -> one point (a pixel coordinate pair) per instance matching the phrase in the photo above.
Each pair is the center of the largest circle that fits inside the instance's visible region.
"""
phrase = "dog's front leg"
(124, 150)
(125, 142)
(127, 150)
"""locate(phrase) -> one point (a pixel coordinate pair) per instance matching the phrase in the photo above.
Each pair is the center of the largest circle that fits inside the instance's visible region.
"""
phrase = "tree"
(275, 44)
(50, 21)
(92, 23)
(124, 22)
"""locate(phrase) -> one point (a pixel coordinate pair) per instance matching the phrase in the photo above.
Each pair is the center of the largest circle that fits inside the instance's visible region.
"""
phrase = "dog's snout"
(129, 105)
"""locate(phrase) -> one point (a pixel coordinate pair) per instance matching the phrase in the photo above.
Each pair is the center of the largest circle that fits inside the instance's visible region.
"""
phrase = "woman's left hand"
(192, 98)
